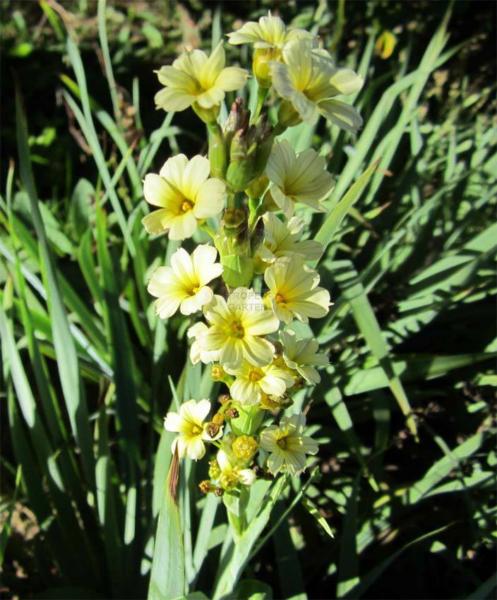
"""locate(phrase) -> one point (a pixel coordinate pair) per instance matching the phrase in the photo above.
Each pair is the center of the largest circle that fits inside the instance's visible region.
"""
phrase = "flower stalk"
(252, 285)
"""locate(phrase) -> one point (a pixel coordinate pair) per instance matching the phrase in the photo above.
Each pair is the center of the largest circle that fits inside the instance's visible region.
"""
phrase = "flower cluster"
(252, 282)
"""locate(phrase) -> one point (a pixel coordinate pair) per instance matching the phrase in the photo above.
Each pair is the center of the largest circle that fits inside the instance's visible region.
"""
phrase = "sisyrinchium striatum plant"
(246, 290)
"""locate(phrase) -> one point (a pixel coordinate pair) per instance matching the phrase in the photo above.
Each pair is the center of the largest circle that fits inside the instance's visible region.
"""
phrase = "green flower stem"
(235, 200)
(208, 230)
(217, 150)
(256, 209)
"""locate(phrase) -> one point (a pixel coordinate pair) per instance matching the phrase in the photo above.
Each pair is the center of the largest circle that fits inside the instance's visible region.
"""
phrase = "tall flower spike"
(297, 178)
(184, 194)
(309, 82)
(197, 80)
(287, 446)
(293, 291)
(236, 327)
(184, 284)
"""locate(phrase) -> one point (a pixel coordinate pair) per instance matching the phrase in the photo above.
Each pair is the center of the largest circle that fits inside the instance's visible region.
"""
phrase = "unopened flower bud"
(238, 118)
(244, 447)
(261, 64)
(249, 152)
(385, 44)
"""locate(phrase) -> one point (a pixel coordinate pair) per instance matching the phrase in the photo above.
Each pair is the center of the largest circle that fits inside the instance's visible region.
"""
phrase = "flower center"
(237, 329)
(282, 443)
(195, 429)
(255, 376)
(280, 299)
(186, 206)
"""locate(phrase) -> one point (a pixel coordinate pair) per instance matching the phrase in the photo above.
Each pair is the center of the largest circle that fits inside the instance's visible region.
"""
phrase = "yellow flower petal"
(173, 99)
(153, 222)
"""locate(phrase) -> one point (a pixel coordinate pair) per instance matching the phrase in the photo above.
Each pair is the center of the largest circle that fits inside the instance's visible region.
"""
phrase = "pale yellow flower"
(287, 446)
(198, 353)
(185, 196)
(269, 37)
(230, 474)
(252, 382)
(297, 178)
(183, 285)
(303, 356)
(236, 326)
(190, 425)
(284, 239)
(294, 292)
(197, 79)
(309, 81)
(269, 32)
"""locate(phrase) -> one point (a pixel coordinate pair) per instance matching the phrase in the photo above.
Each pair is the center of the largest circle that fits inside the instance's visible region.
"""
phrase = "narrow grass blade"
(353, 291)
(338, 212)
(67, 360)
(168, 579)
(348, 564)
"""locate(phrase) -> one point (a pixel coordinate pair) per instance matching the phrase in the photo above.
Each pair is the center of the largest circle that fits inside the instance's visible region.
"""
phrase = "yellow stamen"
(186, 206)
(237, 330)
(255, 376)
(195, 430)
